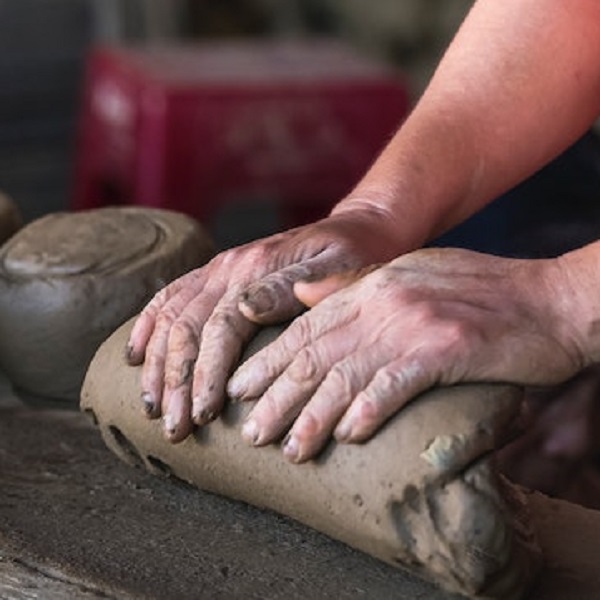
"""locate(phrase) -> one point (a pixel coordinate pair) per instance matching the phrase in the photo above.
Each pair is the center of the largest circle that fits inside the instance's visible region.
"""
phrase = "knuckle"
(222, 320)
(302, 328)
(223, 265)
(277, 407)
(340, 379)
(259, 253)
(154, 363)
(308, 425)
(182, 332)
(226, 328)
(305, 367)
(243, 257)
(179, 372)
(157, 301)
(368, 408)
(426, 312)
(455, 333)
(386, 383)
(165, 318)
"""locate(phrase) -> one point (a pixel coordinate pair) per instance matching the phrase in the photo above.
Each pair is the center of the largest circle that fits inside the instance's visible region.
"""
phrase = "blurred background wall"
(43, 45)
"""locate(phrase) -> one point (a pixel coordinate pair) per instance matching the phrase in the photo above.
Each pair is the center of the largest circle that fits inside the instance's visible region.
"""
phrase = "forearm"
(519, 84)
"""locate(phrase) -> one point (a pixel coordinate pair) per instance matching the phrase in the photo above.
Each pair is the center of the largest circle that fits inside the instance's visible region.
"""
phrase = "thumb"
(310, 293)
(271, 299)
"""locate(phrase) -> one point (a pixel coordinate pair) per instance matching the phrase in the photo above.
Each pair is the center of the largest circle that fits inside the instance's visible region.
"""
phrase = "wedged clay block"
(10, 218)
(421, 495)
(68, 280)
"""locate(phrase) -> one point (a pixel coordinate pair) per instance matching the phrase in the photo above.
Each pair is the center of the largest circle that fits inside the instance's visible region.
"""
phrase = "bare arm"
(519, 84)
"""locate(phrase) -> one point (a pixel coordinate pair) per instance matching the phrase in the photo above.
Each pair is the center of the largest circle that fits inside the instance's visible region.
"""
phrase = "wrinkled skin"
(433, 317)
(559, 450)
(191, 334)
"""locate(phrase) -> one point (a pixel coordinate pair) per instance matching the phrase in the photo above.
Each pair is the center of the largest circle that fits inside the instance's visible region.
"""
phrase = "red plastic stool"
(193, 127)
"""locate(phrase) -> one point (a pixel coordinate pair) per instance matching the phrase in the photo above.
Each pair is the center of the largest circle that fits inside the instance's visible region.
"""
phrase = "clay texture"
(68, 280)
(124, 534)
(10, 218)
(421, 495)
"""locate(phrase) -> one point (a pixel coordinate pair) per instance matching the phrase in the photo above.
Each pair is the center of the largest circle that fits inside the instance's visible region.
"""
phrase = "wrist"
(399, 231)
(578, 287)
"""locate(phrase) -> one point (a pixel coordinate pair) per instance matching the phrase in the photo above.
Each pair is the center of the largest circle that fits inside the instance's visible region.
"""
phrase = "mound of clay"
(10, 218)
(68, 280)
(421, 495)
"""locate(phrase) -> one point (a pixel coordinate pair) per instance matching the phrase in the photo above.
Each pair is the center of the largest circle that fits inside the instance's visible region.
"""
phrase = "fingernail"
(148, 403)
(201, 415)
(128, 353)
(291, 448)
(236, 388)
(250, 432)
(343, 431)
(259, 302)
(169, 424)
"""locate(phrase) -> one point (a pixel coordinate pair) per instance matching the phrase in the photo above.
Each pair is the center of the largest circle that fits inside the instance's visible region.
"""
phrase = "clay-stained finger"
(317, 421)
(156, 352)
(272, 299)
(140, 335)
(392, 386)
(253, 378)
(177, 421)
(146, 321)
(154, 367)
(284, 400)
(224, 335)
(182, 353)
(173, 299)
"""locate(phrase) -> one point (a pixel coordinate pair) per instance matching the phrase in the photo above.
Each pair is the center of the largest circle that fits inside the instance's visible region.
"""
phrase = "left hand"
(432, 317)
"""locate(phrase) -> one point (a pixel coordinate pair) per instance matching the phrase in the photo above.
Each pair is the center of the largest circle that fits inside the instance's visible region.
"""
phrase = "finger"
(224, 335)
(315, 424)
(253, 377)
(310, 293)
(392, 386)
(284, 400)
(177, 421)
(154, 366)
(156, 351)
(146, 321)
(272, 299)
(182, 352)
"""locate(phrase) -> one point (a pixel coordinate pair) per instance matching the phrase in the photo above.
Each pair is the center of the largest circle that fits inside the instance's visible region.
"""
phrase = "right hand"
(439, 316)
(190, 336)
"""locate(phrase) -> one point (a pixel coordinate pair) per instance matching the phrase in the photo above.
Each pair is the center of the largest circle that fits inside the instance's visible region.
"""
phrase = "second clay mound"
(68, 280)
(421, 495)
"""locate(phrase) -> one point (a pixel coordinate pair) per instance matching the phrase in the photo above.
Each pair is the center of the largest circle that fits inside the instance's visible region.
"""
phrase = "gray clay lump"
(68, 280)
(422, 494)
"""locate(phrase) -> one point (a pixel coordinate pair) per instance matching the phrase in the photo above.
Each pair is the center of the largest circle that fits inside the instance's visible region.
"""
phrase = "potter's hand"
(191, 334)
(427, 318)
